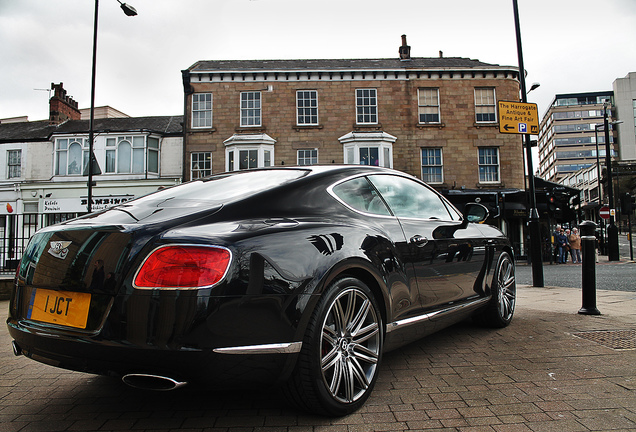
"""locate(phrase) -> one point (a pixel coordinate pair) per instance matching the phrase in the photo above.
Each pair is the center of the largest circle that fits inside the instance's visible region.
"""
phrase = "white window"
(366, 106)
(71, 155)
(489, 165)
(428, 105)
(14, 163)
(432, 165)
(202, 110)
(243, 151)
(307, 107)
(200, 165)
(308, 157)
(125, 155)
(485, 105)
(251, 108)
(368, 148)
(153, 155)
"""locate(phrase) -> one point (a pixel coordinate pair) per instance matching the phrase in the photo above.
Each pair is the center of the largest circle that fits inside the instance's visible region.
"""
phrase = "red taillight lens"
(183, 267)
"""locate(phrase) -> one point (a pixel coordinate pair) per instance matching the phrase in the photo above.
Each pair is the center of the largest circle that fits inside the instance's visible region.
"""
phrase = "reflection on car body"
(300, 277)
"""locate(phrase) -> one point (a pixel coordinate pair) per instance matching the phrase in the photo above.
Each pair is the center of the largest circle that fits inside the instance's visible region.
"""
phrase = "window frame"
(372, 106)
(485, 107)
(435, 104)
(484, 162)
(69, 141)
(116, 150)
(354, 150)
(264, 156)
(197, 112)
(249, 112)
(439, 165)
(201, 172)
(301, 111)
(313, 157)
(12, 165)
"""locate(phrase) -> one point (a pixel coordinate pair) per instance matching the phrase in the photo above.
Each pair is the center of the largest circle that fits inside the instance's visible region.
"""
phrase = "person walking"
(561, 242)
(575, 246)
(555, 243)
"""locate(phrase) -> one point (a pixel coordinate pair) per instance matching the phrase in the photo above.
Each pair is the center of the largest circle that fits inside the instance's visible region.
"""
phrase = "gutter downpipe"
(187, 90)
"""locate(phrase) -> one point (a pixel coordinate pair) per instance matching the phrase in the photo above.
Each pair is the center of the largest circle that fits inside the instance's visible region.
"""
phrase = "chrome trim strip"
(277, 348)
(395, 325)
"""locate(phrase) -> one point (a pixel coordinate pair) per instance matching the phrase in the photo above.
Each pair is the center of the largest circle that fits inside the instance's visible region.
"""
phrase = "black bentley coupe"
(299, 276)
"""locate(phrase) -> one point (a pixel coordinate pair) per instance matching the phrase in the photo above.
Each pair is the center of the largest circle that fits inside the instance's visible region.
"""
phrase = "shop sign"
(78, 205)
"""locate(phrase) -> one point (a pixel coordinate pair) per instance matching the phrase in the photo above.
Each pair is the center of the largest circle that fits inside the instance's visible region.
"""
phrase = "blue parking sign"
(523, 127)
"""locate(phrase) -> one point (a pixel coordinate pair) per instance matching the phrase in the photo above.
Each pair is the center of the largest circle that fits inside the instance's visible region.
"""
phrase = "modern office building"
(625, 100)
(568, 134)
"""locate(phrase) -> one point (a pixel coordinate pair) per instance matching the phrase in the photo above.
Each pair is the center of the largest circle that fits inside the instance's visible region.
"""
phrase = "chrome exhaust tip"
(152, 382)
(17, 351)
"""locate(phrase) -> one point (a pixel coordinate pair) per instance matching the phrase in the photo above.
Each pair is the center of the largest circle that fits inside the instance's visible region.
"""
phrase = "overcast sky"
(568, 46)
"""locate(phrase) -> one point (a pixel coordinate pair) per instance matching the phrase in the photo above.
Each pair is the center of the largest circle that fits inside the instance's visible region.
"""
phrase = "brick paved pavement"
(534, 376)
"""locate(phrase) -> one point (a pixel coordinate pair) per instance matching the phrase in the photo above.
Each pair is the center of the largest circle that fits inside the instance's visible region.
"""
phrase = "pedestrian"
(567, 246)
(575, 246)
(556, 245)
(561, 242)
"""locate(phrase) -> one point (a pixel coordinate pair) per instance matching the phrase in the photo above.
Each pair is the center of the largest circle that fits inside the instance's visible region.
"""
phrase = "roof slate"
(341, 64)
(42, 130)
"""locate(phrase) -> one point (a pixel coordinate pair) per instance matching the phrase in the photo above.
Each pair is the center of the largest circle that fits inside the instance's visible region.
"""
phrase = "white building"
(44, 183)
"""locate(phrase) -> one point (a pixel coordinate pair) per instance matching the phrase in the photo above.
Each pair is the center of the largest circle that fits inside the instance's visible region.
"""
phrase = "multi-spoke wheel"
(339, 362)
(501, 308)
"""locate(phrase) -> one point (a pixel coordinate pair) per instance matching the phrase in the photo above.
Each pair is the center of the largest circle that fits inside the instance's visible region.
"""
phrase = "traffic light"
(551, 203)
(627, 206)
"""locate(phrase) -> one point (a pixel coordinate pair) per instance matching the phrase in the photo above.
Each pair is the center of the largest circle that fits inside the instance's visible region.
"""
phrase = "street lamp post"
(533, 222)
(612, 229)
(129, 11)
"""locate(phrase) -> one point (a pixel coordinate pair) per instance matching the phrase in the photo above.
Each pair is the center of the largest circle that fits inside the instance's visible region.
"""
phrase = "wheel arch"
(363, 271)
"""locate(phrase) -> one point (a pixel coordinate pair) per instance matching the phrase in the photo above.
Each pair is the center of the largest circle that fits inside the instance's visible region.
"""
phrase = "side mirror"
(475, 212)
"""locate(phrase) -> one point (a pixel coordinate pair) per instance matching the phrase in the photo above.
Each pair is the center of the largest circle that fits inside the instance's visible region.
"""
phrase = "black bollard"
(588, 268)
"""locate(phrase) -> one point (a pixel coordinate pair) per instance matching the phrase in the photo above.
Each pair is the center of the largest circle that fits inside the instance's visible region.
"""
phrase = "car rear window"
(223, 188)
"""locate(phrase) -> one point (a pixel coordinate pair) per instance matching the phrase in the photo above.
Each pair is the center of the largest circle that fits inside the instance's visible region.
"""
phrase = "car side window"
(410, 199)
(361, 196)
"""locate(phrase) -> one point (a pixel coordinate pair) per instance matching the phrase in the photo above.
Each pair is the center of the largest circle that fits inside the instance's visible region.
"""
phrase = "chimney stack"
(61, 106)
(405, 50)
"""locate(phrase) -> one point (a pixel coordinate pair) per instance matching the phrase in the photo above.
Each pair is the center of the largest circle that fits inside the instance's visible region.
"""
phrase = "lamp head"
(128, 9)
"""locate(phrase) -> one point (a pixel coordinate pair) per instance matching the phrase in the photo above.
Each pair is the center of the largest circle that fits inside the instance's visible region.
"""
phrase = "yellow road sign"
(518, 118)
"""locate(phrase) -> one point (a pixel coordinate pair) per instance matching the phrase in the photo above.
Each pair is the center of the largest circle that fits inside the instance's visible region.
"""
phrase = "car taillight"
(183, 267)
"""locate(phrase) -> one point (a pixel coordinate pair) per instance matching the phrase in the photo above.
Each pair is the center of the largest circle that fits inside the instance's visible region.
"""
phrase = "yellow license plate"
(63, 308)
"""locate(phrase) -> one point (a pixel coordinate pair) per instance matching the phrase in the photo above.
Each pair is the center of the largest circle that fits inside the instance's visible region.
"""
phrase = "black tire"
(342, 349)
(501, 307)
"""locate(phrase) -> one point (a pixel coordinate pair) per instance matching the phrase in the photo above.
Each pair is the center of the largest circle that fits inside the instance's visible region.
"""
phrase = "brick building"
(434, 118)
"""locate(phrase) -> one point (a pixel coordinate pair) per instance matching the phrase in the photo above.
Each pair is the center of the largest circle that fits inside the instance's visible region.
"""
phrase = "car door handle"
(418, 240)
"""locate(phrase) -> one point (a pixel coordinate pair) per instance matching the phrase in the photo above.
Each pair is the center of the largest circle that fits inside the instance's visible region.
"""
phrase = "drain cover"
(615, 339)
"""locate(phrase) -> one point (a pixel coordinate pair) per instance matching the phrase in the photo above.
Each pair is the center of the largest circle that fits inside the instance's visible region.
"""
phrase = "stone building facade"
(434, 118)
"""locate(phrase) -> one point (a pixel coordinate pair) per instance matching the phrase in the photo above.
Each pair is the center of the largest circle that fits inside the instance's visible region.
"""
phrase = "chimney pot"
(405, 50)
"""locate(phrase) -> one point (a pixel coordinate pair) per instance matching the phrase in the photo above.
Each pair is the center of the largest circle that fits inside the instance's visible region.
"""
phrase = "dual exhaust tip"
(137, 380)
